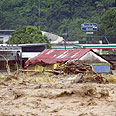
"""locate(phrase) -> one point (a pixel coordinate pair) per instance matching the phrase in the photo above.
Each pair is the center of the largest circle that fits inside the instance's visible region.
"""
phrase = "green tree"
(75, 25)
(29, 34)
(103, 5)
(108, 24)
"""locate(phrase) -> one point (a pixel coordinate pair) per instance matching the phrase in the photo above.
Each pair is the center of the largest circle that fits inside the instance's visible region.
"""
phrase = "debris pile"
(74, 72)
(87, 74)
(75, 68)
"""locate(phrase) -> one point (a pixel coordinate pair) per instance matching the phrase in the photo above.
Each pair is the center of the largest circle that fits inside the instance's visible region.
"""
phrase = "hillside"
(56, 16)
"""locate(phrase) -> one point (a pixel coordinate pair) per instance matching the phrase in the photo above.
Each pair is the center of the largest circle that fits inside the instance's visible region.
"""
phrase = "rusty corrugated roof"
(57, 56)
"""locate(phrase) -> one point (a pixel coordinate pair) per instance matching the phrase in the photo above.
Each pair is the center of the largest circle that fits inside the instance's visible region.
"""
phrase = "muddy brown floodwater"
(57, 99)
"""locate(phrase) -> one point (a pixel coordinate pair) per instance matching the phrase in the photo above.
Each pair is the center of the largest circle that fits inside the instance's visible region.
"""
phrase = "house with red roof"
(50, 58)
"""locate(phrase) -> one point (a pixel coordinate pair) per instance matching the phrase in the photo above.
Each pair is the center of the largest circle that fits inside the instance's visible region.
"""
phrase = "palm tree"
(104, 5)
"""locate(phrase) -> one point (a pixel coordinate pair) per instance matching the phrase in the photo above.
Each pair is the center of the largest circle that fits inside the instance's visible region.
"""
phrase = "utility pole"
(39, 13)
(65, 37)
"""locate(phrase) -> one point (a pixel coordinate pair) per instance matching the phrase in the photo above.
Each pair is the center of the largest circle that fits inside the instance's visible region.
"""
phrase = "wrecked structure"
(18, 54)
(51, 59)
(10, 54)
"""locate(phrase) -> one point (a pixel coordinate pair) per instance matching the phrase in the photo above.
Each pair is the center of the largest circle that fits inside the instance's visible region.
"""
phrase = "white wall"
(91, 57)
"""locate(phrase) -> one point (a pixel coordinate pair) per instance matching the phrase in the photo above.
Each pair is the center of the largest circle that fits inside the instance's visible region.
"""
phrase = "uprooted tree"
(26, 35)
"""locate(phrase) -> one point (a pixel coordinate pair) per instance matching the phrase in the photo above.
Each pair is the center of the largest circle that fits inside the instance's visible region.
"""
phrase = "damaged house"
(10, 55)
(16, 55)
(51, 59)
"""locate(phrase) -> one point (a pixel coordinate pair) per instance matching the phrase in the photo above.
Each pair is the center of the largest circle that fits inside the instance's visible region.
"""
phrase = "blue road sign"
(89, 27)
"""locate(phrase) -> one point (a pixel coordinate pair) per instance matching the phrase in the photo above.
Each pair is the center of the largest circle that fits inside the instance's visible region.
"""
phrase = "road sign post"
(89, 38)
(89, 28)
(89, 35)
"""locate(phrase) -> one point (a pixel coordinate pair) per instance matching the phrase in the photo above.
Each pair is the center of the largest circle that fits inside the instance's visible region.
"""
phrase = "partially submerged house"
(50, 59)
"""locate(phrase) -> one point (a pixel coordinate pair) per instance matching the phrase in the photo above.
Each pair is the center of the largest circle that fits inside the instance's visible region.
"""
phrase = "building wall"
(91, 57)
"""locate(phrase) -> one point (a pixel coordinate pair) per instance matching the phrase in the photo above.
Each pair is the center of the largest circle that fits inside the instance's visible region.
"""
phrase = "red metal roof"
(56, 56)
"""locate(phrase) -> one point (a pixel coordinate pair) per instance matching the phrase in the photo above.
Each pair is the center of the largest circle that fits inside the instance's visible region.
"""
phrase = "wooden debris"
(75, 68)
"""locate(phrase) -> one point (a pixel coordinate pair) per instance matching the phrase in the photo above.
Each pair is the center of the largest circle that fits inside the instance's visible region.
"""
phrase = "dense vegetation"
(60, 16)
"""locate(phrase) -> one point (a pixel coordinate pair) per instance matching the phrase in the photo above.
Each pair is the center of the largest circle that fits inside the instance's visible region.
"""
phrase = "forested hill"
(58, 16)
